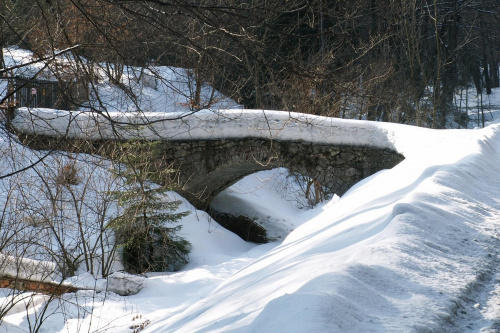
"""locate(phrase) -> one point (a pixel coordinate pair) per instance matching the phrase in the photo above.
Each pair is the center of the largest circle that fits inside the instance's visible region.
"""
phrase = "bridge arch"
(207, 167)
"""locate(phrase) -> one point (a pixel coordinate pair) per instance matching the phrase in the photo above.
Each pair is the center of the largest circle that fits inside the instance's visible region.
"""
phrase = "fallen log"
(43, 287)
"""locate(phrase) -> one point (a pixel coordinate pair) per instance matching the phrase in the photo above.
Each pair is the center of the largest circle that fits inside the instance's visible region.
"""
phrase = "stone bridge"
(207, 167)
(213, 150)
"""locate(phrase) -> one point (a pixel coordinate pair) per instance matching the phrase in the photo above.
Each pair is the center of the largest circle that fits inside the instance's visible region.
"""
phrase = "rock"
(124, 284)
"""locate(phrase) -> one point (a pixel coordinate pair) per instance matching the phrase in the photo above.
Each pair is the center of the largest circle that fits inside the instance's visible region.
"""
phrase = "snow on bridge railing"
(204, 125)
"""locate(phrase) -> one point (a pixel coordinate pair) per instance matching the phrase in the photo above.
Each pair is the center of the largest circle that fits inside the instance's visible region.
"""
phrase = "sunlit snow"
(411, 249)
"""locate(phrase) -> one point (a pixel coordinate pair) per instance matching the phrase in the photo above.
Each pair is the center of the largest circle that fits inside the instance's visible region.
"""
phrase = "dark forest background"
(387, 60)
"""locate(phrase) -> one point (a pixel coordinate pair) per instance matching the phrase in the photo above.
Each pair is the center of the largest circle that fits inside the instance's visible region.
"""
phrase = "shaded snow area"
(274, 199)
(411, 249)
(151, 89)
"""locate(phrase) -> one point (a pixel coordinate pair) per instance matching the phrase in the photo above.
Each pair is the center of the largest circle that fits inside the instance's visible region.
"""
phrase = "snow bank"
(28, 269)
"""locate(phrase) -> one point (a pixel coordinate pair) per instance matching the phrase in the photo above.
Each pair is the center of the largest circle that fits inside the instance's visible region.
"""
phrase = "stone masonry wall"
(205, 168)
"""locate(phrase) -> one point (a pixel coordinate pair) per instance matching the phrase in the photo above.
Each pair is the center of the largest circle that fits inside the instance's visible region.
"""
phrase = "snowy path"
(478, 309)
(479, 306)
(492, 309)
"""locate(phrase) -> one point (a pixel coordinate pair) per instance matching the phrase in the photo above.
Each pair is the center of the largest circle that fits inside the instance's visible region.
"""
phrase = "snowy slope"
(399, 252)
(152, 89)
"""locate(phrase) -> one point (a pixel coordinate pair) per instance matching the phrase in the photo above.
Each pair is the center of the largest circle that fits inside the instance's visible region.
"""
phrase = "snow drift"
(401, 251)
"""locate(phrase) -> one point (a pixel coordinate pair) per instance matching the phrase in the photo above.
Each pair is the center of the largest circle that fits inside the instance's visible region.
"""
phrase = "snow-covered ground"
(414, 248)
(411, 249)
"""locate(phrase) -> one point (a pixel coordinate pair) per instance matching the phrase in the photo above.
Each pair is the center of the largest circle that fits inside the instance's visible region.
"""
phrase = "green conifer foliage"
(144, 228)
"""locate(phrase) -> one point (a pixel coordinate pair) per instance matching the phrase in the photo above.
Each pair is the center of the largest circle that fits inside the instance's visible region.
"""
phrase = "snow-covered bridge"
(212, 150)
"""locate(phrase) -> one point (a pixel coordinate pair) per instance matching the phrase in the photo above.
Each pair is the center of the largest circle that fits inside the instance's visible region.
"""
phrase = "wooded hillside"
(398, 61)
